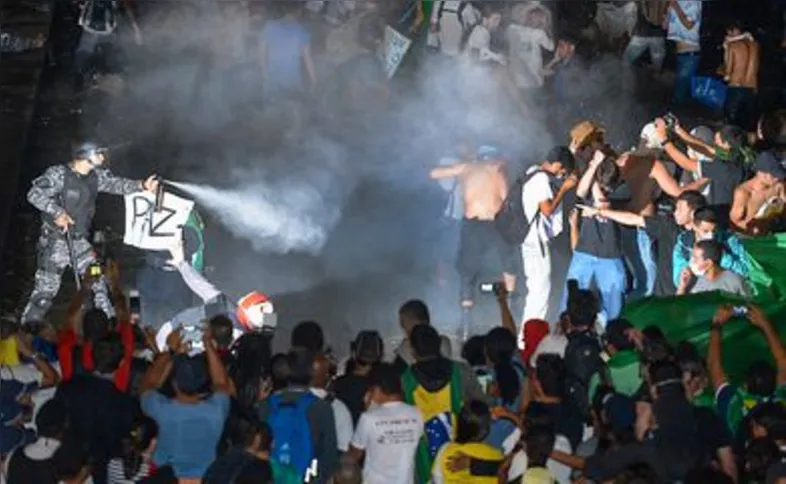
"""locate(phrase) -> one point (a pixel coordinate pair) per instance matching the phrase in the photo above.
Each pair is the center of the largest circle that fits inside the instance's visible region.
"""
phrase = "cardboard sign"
(396, 46)
(151, 230)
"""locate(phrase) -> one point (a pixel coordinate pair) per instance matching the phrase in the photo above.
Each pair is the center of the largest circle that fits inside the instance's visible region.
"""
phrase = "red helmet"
(255, 312)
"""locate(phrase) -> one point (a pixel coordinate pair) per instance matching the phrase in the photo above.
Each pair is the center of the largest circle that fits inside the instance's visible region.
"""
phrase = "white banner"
(151, 230)
(396, 45)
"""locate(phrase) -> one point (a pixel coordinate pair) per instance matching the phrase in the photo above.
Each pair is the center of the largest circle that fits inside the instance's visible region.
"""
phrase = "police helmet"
(85, 149)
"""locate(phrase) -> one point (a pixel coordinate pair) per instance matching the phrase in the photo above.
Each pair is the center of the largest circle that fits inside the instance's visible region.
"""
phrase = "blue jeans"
(687, 66)
(648, 270)
(609, 277)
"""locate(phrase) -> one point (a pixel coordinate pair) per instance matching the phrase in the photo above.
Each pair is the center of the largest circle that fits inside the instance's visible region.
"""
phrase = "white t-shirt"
(536, 190)
(342, 417)
(389, 434)
(525, 56)
(28, 373)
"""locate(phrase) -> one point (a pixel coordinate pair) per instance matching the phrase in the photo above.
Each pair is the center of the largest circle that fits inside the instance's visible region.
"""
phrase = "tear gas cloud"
(284, 180)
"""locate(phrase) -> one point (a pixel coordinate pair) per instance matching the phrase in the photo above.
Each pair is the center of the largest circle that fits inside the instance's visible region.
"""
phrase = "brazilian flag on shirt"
(689, 317)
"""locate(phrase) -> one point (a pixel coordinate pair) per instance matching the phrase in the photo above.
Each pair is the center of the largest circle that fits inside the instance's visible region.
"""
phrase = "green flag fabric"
(689, 317)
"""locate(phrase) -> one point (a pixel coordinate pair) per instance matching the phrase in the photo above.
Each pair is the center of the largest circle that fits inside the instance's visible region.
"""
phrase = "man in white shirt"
(527, 37)
(449, 21)
(478, 48)
(543, 210)
(341, 414)
(388, 432)
(683, 20)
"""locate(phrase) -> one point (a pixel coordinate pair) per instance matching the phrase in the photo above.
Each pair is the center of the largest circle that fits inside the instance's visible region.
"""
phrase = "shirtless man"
(740, 70)
(646, 178)
(760, 201)
(482, 251)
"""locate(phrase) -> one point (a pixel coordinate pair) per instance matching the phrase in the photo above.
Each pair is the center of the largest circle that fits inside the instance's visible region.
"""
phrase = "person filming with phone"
(66, 196)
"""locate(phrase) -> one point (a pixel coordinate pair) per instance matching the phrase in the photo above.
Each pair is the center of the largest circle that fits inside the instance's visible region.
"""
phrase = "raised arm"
(668, 184)
(621, 217)
(714, 355)
(108, 182)
(450, 171)
(757, 318)
(585, 184)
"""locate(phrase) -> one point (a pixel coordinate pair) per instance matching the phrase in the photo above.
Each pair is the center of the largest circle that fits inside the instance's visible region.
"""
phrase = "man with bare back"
(482, 251)
(646, 178)
(759, 202)
(741, 71)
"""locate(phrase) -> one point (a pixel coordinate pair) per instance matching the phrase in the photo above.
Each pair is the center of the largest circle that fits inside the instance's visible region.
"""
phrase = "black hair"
(500, 348)
(656, 346)
(607, 176)
(711, 250)
(773, 129)
(279, 371)
(582, 309)
(347, 471)
(550, 371)
(309, 335)
(638, 473)
(539, 444)
(735, 23)
(108, 352)
(387, 378)
(474, 351)
(760, 379)
(694, 199)
(221, 329)
(8, 327)
(705, 214)
(95, 324)
(417, 310)
(261, 429)
(143, 431)
(474, 422)
(301, 366)
(425, 341)
(250, 366)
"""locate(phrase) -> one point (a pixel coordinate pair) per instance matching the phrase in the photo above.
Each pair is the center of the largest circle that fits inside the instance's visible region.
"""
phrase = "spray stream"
(298, 221)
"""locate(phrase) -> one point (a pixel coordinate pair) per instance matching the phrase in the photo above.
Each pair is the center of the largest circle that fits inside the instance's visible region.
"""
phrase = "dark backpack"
(511, 222)
(99, 17)
(582, 362)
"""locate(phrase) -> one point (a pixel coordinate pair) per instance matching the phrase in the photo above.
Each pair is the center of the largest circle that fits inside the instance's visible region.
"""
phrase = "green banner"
(688, 317)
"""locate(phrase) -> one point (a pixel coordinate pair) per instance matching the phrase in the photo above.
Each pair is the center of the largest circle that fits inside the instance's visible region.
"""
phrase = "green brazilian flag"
(688, 317)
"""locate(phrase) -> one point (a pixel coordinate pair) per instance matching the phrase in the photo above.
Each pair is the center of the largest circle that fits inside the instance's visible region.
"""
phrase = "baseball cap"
(704, 133)
(534, 332)
(580, 132)
(368, 347)
(767, 163)
(190, 373)
(562, 155)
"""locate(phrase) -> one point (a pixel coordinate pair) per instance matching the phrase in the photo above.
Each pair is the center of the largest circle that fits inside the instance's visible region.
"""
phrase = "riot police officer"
(66, 196)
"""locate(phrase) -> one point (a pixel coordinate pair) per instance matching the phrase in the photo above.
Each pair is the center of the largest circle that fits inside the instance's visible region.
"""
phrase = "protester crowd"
(589, 396)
